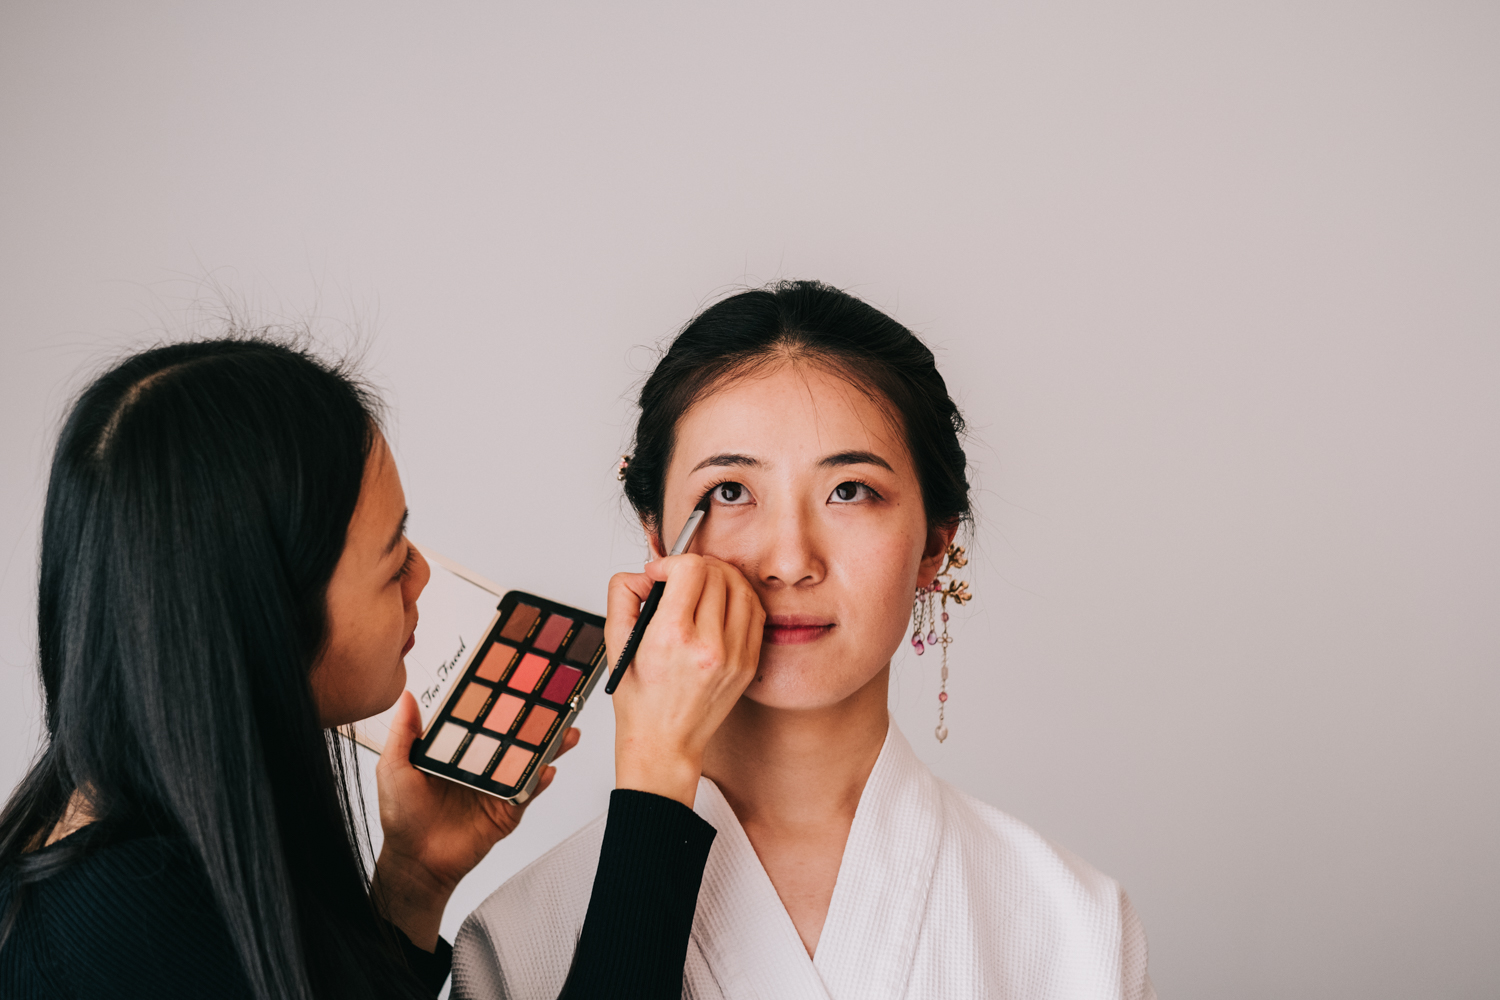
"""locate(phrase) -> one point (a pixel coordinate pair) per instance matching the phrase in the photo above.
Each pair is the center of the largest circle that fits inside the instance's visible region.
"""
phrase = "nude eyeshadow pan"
(504, 719)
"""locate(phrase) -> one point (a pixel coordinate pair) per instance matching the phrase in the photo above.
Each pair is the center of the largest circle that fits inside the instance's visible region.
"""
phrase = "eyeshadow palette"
(522, 686)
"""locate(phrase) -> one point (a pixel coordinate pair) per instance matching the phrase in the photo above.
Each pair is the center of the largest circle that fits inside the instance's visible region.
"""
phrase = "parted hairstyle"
(198, 503)
(813, 323)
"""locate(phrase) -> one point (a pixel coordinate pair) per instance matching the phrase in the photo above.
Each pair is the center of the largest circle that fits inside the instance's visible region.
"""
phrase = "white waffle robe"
(938, 895)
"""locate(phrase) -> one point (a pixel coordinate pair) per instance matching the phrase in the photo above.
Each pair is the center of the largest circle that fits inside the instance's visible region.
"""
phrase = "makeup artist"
(225, 578)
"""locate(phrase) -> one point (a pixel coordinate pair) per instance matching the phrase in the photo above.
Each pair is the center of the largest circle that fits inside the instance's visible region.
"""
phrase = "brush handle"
(634, 642)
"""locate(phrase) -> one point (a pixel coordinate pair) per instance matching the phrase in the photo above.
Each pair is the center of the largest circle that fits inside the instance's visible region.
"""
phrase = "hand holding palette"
(525, 682)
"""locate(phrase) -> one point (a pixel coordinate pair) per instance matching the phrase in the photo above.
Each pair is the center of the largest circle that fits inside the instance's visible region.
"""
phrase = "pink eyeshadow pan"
(477, 757)
(446, 744)
(471, 701)
(560, 687)
(537, 723)
(512, 766)
(528, 673)
(551, 635)
(503, 715)
(495, 661)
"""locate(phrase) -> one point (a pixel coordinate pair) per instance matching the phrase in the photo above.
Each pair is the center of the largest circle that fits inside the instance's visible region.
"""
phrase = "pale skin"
(436, 831)
(818, 510)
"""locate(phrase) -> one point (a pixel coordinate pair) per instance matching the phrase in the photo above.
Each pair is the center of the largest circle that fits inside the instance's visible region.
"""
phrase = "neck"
(786, 767)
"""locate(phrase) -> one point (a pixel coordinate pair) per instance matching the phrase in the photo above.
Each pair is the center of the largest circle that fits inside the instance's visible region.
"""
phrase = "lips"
(791, 630)
(411, 641)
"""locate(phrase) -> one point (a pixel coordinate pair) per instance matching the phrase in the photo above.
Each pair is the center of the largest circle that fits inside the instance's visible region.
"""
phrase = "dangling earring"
(925, 614)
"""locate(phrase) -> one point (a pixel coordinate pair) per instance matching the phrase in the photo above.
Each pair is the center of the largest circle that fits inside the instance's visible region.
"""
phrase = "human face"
(816, 501)
(372, 602)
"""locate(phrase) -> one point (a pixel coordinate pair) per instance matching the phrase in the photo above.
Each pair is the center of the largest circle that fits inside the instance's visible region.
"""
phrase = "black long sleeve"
(635, 935)
(137, 919)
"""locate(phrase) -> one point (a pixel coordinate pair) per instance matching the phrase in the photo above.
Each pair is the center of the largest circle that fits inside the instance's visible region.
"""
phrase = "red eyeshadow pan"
(530, 670)
(551, 635)
(560, 687)
(537, 723)
(495, 662)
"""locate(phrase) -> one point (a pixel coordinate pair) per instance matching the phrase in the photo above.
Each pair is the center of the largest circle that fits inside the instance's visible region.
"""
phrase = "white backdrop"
(1215, 284)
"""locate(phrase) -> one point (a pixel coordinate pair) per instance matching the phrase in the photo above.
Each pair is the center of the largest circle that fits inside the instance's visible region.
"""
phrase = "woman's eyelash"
(411, 559)
(713, 490)
(874, 493)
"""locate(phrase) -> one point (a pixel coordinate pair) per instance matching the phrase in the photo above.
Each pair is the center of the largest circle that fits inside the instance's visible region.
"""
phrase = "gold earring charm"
(926, 612)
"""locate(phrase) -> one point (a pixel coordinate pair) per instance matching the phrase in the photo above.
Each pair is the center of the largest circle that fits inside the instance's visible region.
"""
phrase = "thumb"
(406, 728)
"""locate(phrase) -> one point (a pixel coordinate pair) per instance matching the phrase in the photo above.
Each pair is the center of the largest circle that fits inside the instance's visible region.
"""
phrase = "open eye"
(731, 494)
(851, 492)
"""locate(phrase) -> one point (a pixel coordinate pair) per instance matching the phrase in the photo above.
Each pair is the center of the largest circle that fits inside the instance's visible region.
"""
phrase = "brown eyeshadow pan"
(585, 645)
(471, 701)
(520, 622)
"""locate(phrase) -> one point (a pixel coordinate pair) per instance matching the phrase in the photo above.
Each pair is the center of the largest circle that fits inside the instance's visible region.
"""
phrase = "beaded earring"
(926, 612)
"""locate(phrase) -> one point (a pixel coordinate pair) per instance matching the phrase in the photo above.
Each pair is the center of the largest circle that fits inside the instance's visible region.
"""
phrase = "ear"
(939, 537)
(653, 542)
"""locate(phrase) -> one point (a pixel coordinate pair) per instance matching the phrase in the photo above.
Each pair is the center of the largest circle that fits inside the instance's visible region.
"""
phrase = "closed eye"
(407, 564)
(853, 491)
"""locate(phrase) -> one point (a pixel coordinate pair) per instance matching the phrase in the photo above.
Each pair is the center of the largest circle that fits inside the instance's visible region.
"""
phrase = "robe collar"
(869, 939)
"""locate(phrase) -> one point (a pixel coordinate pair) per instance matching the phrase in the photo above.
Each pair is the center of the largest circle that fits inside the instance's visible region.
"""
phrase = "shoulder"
(1039, 892)
(1018, 853)
(132, 918)
(529, 925)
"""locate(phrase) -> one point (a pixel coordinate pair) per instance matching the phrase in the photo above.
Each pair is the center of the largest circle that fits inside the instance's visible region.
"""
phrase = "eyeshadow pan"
(445, 745)
(585, 644)
(552, 633)
(528, 673)
(503, 715)
(520, 623)
(537, 723)
(471, 701)
(477, 757)
(563, 681)
(512, 765)
(495, 662)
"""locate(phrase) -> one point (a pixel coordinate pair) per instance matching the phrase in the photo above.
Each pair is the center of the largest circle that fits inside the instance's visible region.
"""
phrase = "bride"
(827, 443)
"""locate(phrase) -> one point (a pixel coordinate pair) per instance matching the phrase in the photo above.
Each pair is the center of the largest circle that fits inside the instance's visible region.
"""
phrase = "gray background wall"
(1215, 283)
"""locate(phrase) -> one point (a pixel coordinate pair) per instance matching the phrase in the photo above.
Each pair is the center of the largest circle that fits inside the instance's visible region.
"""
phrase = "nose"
(791, 552)
(416, 580)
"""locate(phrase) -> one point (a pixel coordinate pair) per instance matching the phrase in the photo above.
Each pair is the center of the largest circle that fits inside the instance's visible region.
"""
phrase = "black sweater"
(136, 918)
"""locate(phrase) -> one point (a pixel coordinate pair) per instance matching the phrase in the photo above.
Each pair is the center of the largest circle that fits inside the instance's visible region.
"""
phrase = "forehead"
(790, 413)
(381, 498)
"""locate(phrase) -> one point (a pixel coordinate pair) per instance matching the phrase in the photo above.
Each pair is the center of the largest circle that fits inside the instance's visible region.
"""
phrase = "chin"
(394, 688)
(802, 688)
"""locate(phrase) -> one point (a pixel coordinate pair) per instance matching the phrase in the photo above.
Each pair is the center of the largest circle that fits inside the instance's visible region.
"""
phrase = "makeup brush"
(684, 539)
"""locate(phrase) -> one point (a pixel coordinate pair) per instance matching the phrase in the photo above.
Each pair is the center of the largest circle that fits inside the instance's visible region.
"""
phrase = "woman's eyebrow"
(400, 530)
(726, 461)
(855, 458)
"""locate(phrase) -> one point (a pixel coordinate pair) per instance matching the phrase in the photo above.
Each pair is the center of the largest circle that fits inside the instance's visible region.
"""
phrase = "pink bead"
(942, 696)
(945, 616)
(931, 637)
(920, 648)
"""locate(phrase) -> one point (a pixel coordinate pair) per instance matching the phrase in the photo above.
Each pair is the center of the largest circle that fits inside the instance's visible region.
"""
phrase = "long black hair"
(803, 321)
(198, 503)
